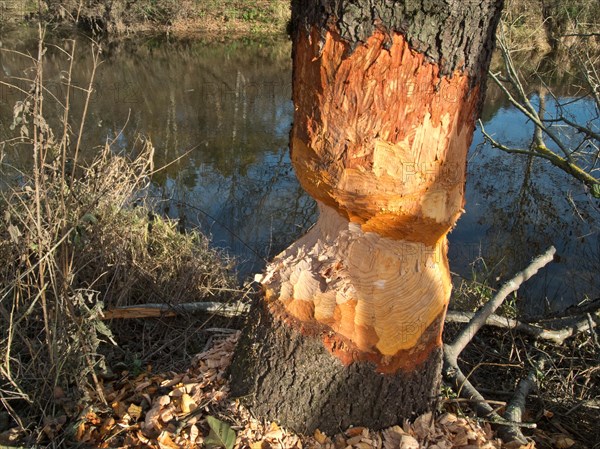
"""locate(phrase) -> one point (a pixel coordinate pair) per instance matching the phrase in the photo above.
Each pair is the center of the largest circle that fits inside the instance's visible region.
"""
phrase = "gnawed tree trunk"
(386, 95)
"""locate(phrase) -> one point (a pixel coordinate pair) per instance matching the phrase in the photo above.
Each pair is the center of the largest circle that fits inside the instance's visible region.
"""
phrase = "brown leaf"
(354, 431)
(408, 442)
(548, 414)
(352, 441)
(167, 414)
(119, 408)
(563, 442)
(152, 418)
(142, 385)
(107, 425)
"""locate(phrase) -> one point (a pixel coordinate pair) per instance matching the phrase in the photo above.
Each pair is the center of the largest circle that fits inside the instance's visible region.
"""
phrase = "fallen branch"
(480, 317)
(169, 310)
(555, 331)
(452, 371)
(466, 390)
(516, 406)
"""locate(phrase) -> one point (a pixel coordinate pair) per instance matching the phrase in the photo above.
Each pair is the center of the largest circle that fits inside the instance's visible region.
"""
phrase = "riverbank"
(227, 17)
(537, 26)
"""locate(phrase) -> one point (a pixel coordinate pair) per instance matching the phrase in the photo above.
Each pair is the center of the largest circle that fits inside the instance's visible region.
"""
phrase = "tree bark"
(386, 95)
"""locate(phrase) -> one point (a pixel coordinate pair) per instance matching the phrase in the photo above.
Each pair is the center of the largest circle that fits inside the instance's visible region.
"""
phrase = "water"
(222, 112)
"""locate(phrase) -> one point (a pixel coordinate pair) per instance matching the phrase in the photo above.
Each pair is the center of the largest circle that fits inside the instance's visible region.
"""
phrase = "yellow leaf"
(187, 403)
(135, 411)
(260, 445)
(165, 441)
(320, 437)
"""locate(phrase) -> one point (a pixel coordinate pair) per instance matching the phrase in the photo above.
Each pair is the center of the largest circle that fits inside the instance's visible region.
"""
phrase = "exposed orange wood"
(380, 141)
(380, 137)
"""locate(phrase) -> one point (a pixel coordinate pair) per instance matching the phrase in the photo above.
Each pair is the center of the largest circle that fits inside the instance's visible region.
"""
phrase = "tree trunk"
(386, 95)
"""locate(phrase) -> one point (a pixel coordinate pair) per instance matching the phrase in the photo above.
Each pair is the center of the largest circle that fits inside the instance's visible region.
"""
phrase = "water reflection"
(516, 207)
(222, 113)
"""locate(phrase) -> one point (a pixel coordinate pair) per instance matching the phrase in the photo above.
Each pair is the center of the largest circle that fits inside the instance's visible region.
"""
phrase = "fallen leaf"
(363, 445)
(352, 441)
(135, 411)
(563, 442)
(275, 432)
(167, 414)
(408, 442)
(187, 403)
(107, 425)
(152, 417)
(354, 431)
(143, 385)
(320, 437)
(194, 433)
(221, 434)
(165, 441)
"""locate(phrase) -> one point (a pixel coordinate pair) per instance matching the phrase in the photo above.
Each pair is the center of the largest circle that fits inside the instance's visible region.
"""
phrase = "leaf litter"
(193, 410)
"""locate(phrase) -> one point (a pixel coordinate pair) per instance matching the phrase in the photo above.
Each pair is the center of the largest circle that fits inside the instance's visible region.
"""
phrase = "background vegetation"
(207, 16)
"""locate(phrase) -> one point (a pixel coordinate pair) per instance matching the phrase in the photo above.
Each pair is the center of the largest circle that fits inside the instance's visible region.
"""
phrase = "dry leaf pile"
(172, 411)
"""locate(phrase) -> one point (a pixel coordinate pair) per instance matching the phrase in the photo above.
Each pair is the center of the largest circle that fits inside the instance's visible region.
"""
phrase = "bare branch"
(516, 406)
(452, 371)
(545, 153)
(555, 331)
(490, 307)
(165, 310)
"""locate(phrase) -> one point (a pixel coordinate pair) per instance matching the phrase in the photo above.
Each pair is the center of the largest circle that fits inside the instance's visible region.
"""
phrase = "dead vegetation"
(76, 238)
(239, 17)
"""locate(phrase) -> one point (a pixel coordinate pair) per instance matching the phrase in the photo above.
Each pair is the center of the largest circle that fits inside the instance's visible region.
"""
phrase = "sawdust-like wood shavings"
(169, 411)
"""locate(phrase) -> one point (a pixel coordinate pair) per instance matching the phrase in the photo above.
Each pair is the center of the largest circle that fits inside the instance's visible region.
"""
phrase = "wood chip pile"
(172, 411)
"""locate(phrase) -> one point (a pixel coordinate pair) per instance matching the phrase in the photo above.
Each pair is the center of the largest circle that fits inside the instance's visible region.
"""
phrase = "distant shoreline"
(235, 18)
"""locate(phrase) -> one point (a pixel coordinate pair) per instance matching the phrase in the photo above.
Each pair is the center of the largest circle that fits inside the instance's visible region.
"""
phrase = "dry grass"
(224, 17)
(75, 238)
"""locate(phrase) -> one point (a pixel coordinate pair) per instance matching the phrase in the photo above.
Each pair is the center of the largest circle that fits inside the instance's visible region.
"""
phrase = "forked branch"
(509, 429)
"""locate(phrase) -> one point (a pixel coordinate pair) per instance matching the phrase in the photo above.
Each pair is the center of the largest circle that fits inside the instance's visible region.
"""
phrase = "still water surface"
(222, 111)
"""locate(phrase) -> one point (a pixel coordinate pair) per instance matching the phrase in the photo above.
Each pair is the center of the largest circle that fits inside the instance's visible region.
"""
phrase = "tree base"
(283, 372)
